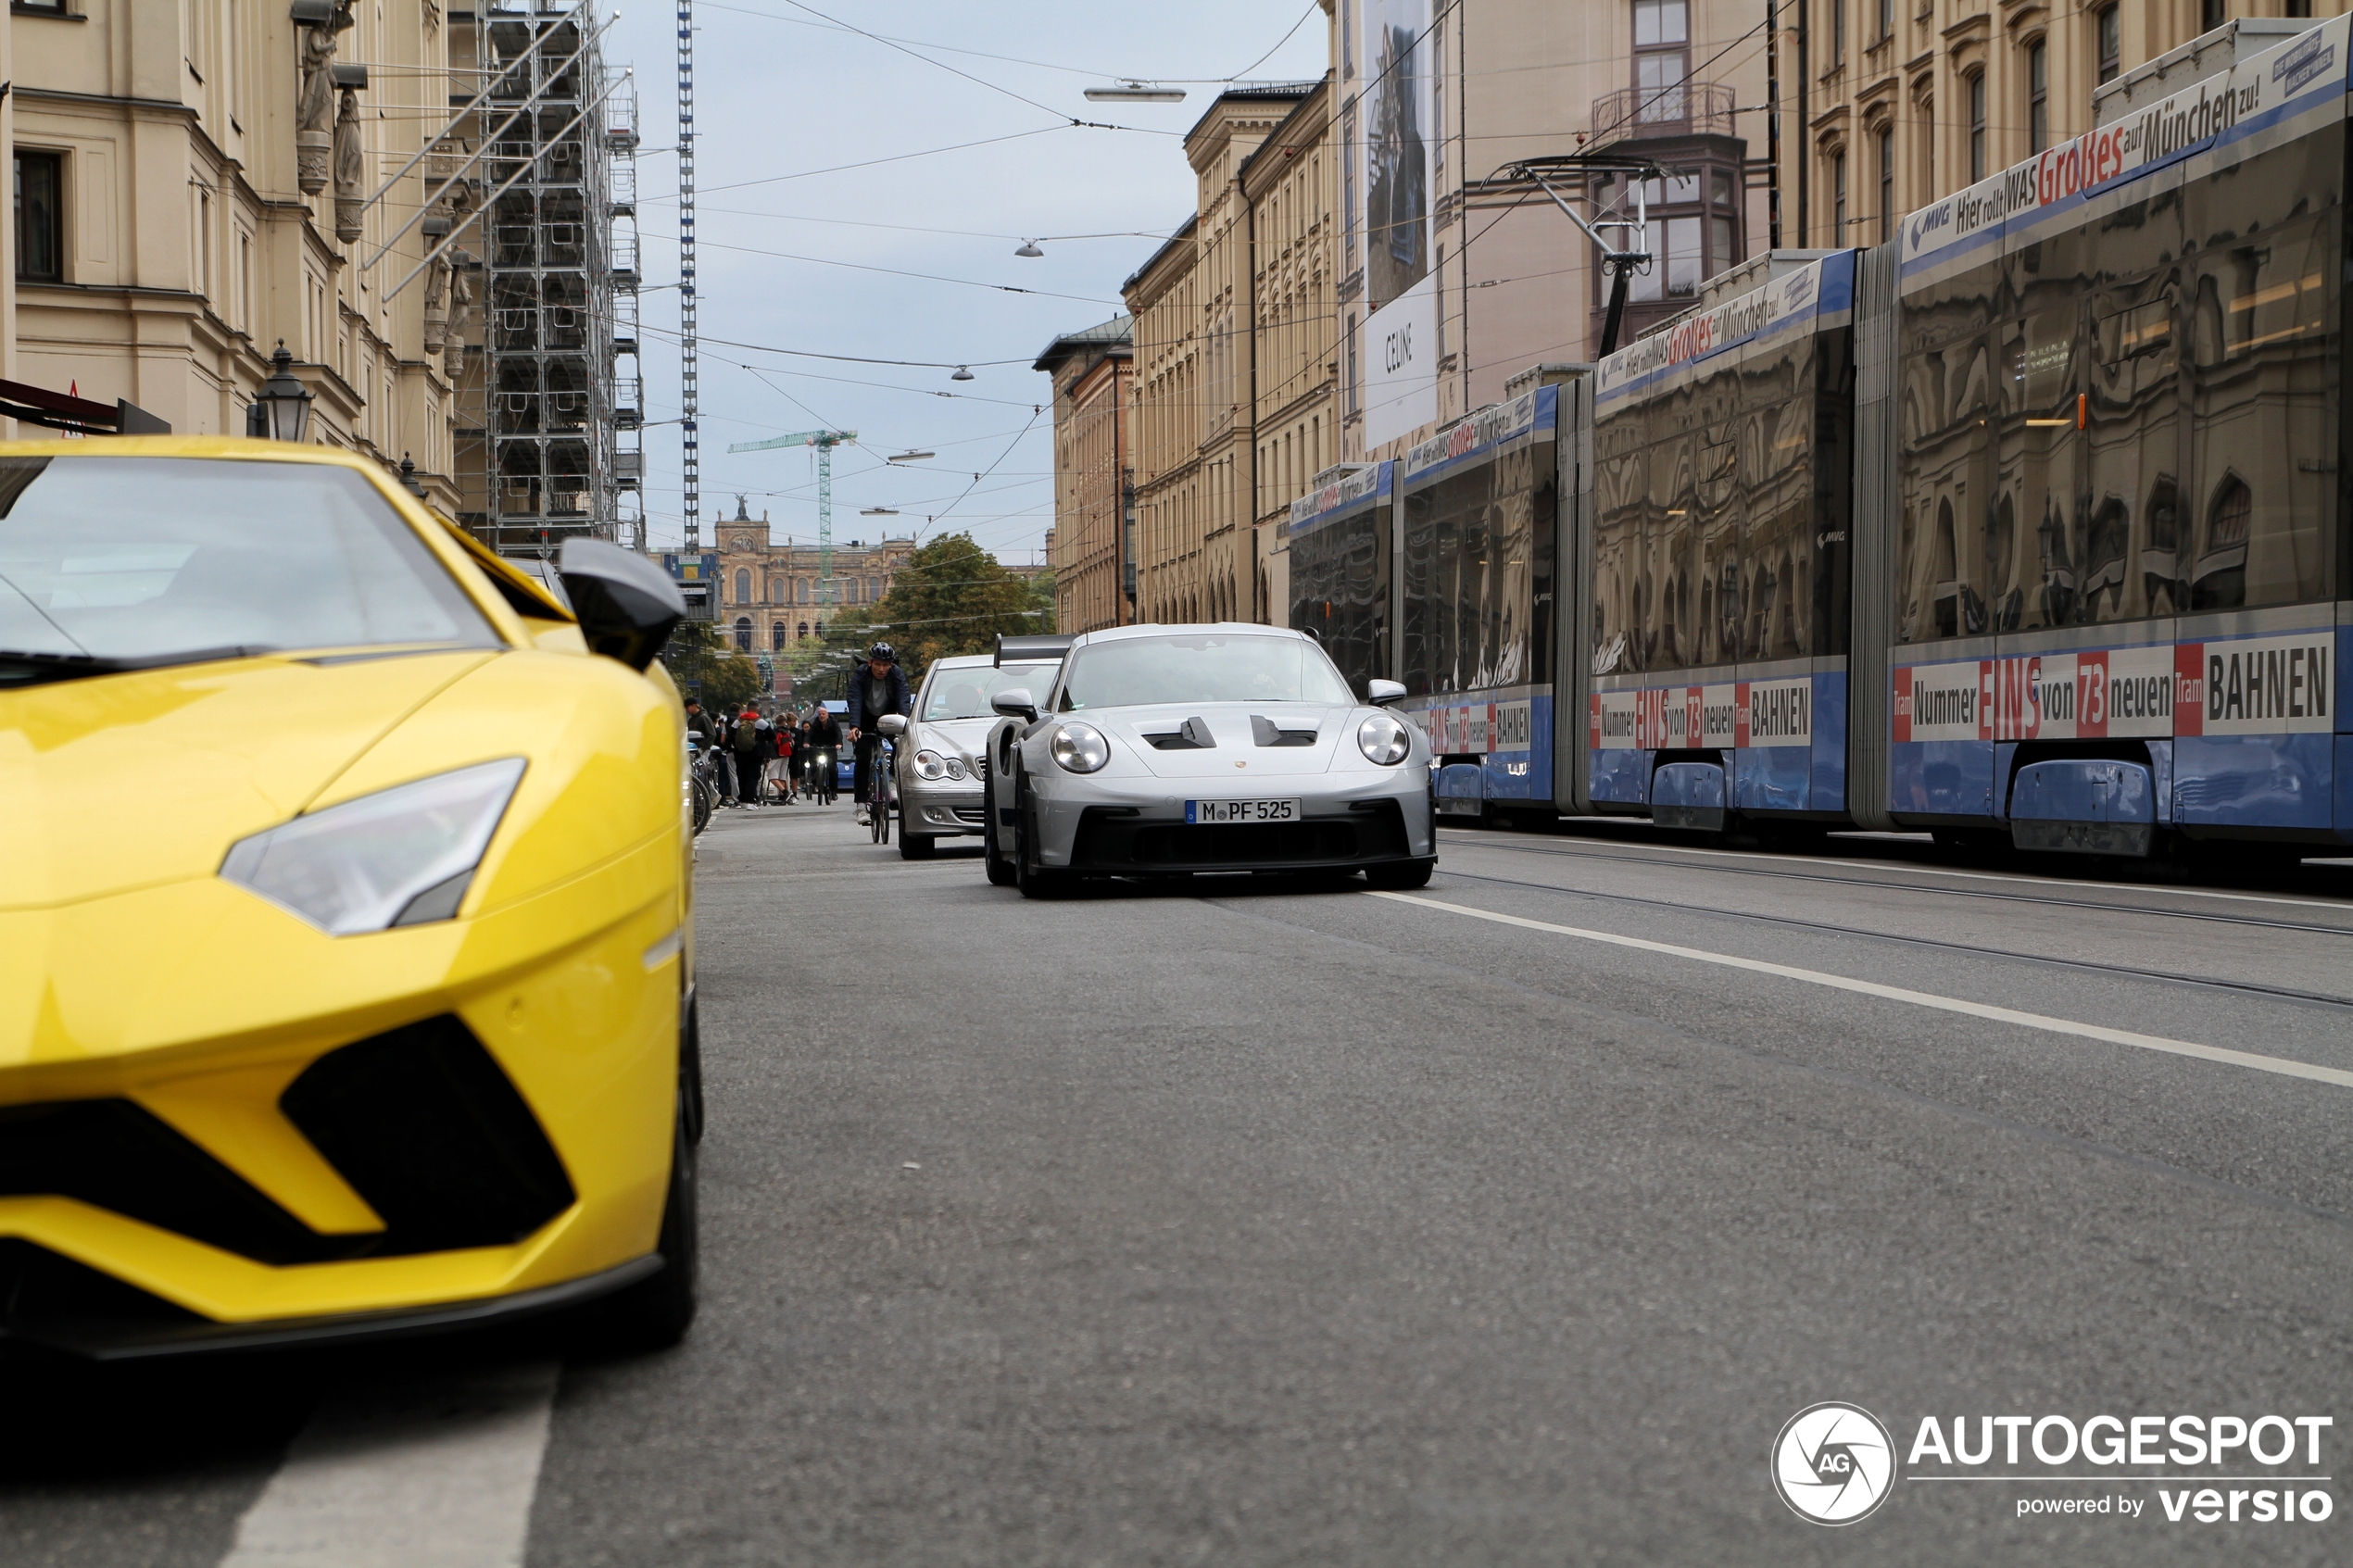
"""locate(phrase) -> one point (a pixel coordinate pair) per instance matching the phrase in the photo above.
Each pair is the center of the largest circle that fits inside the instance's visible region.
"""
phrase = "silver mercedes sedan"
(1165, 750)
(940, 752)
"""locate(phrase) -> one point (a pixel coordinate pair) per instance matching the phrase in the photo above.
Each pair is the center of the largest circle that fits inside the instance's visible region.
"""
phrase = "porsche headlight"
(1079, 747)
(399, 856)
(930, 766)
(1384, 740)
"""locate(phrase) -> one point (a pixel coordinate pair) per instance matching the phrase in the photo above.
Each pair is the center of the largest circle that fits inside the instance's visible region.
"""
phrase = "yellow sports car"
(347, 962)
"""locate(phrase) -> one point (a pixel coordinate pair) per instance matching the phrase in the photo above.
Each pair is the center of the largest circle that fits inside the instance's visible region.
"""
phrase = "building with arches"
(770, 594)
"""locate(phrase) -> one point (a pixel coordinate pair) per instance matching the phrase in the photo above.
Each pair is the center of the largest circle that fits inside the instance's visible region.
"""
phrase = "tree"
(703, 664)
(951, 597)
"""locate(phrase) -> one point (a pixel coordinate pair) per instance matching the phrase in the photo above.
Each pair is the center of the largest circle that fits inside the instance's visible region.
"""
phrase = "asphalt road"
(1241, 1223)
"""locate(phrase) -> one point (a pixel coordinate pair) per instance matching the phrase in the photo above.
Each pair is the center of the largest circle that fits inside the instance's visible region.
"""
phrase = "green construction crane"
(824, 441)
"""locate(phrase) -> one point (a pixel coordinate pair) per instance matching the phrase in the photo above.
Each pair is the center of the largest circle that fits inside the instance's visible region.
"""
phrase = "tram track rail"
(2045, 900)
(2125, 972)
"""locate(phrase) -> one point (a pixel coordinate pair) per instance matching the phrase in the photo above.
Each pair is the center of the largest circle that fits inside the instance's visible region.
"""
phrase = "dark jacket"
(825, 733)
(897, 698)
(699, 725)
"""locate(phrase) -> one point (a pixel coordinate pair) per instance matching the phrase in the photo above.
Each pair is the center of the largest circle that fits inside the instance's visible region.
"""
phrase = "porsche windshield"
(964, 692)
(111, 563)
(1201, 667)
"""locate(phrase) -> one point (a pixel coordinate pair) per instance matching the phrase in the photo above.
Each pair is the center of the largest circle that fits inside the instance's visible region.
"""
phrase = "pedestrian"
(745, 747)
(722, 736)
(698, 724)
(878, 688)
(776, 766)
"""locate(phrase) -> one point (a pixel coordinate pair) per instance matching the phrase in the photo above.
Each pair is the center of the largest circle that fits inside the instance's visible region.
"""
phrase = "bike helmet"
(884, 652)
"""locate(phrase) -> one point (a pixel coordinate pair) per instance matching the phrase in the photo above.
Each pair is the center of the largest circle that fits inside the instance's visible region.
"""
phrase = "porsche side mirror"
(1014, 703)
(1380, 694)
(892, 724)
(627, 605)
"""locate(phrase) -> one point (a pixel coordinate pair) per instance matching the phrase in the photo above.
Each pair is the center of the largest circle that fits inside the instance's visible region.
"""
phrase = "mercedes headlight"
(1383, 739)
(399, 856)
(930, 766)
(1079, 747)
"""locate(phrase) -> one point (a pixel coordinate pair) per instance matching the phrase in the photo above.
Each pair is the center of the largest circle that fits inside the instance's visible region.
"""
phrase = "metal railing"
(1688, 108)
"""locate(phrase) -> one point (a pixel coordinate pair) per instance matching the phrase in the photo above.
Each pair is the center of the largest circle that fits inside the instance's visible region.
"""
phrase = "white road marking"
(1918, 999)
(1473, 836)
(439, 1472)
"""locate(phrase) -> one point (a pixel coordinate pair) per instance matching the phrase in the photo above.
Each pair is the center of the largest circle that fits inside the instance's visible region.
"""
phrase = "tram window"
(2263, 248)
(1953, 387)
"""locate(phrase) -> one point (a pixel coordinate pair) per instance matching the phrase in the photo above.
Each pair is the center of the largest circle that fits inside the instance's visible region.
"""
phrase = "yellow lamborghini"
(347, 961)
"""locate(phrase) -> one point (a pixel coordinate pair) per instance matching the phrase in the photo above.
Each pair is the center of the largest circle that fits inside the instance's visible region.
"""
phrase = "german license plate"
(1201, 811)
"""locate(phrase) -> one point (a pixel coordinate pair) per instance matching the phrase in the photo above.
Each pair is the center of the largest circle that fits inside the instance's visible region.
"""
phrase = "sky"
(798, 253)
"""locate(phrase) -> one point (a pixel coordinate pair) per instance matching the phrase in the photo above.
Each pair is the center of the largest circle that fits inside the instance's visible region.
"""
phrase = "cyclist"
(824, 740)
(876, 688)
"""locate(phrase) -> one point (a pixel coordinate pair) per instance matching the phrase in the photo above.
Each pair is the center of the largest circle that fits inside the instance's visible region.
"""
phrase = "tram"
(2030, 527)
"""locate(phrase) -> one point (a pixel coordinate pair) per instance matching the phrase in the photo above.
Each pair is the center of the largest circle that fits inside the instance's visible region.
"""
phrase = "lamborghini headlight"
(399, 856)
(1079, 747)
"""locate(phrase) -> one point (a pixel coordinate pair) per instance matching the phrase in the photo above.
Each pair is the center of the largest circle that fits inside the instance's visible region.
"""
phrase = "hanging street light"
(880, 511)
(1029, 248)
(962, 374)
(284, 401)
(910, 456)
(1134, 93)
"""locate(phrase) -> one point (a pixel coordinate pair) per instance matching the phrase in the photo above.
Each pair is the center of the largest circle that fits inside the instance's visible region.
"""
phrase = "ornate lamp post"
(280, 410)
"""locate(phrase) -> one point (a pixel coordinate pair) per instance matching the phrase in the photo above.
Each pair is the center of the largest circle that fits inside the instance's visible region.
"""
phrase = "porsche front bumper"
(220, 1127)
(1138, 828)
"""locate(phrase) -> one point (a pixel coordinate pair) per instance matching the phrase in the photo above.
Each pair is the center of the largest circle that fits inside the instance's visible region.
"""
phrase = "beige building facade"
(197, 180)
(1511, 281)
(1903, 100)
(771, 595)
(1090, 548)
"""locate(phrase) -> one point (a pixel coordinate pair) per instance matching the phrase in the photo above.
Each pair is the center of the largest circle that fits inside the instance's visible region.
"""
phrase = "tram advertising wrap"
(1476, 524)
(1339, 543)
(2121, 554)
(1720, 579)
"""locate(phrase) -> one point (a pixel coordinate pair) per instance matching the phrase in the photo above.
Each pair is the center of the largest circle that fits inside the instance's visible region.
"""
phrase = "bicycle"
(879, 792)
(822, 784)
(703, 793)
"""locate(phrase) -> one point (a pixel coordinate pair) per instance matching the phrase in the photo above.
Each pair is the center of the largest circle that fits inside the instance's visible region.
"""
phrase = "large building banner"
(1400, 347)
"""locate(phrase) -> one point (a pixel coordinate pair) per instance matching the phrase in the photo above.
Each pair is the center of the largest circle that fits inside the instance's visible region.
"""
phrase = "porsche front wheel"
(1000, 870)
(1034, 880)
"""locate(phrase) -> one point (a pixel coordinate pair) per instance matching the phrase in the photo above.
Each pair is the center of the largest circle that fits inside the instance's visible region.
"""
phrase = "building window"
(873, 590)
(1976, 127)
(41, 230)
(1838, 31)
(1886, 186)
(1886, 20)
(1692, 234)
(1662, 59)
(2038, 96)
(775, 590)
(1838, 199)
(743, 589)
(2212, 14)
(2299, 7)
(743, 633)
(776, 637)
(2110, 34)
(803, 630)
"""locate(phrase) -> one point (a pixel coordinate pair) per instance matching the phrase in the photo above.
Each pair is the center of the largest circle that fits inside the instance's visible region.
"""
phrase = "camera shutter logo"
(1834, 1463)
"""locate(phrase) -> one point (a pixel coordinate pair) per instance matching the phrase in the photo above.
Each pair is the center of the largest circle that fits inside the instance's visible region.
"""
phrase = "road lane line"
(2279, 1065)
(440, 1471)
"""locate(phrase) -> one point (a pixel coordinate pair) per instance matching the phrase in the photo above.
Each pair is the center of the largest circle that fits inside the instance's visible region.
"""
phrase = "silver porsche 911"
(1164, 750)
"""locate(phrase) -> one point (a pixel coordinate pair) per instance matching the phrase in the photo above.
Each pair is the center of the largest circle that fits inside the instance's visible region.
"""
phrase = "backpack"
(747, 740)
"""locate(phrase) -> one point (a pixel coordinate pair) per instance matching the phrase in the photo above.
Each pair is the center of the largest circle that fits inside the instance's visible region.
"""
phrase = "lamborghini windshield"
(116, 563)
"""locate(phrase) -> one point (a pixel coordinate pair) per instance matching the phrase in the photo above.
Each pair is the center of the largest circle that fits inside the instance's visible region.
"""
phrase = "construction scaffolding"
(558, 396)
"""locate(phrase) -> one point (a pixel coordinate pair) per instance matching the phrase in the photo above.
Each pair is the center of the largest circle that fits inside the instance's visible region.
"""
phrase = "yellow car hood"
(127, 781)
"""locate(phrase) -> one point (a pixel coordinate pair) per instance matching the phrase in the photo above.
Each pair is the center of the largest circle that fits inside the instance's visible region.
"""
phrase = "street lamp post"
(280, 410)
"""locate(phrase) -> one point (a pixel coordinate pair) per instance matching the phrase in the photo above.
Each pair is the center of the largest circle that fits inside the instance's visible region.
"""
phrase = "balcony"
(1646, 114)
